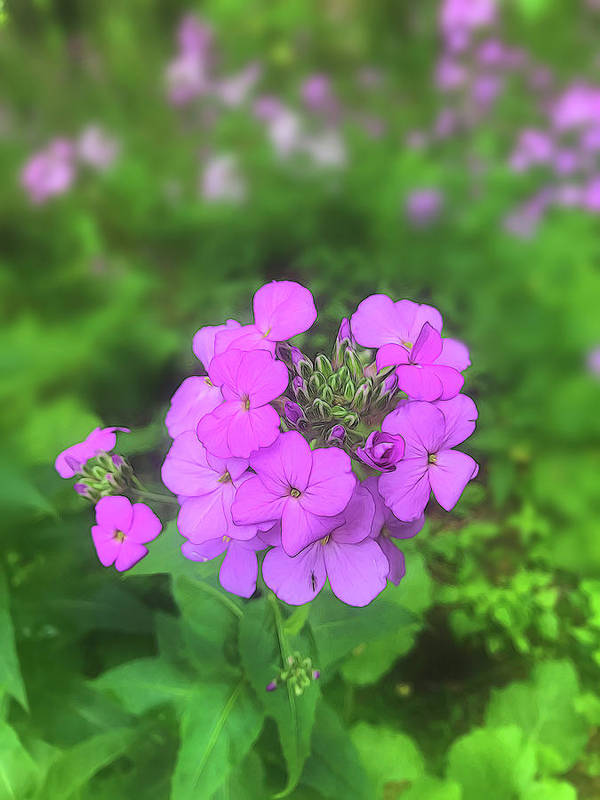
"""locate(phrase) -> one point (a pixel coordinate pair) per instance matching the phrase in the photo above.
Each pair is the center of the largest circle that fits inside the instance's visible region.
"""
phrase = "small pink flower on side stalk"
(122, 530)
(100, 440)
(49, 172)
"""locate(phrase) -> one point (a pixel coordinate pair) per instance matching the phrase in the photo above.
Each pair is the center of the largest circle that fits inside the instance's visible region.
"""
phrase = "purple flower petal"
(186, 469)
(420, 382)
(331, 482)
(357, 572)
(454, 354)
(295, 580)
(203, 343)
(299, 527)
(203, 518)
(239, 570)
(395, 559)
(449, 476)
(428, 346)
(114, 513)
(406, 490)
(375, 321)
(283, 309)
(460, 414)
(421, 425)
(391, 354)
(254, 502)
(205, 551)
(193, 399)
(106, 544)
(129, 554)
(355, 522)
(145, 525)
(287, 462)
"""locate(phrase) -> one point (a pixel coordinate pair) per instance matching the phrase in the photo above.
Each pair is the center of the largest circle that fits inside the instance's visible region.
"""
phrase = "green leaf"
(247, 782)
(261, 654)
(218, 728)
(18, 772)
(387, 755)
(73, 768)
(545, 710)
(492, 763)
(427, 788)
(165, 556)
(370, 660)
(549, 790)
(145, 683)
(10, 672)
(339, 628)
(532, 9)
(333, 768)
(19, 499)
(209, 619)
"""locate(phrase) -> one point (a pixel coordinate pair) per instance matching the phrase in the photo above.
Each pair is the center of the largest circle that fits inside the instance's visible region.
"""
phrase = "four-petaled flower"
(122, 530)
(245, 421)
(352, 560)
(303, 488)
(430, 431)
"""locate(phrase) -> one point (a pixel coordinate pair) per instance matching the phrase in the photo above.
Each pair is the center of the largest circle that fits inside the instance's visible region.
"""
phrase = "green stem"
(158, 497)
(279, 627)
(206, 587)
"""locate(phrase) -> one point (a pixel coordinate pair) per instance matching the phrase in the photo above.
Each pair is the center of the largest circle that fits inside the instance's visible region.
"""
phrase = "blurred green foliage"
(477, 676)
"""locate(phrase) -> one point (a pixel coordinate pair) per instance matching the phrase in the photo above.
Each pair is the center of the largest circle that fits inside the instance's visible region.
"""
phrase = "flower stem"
(279, 627)
(158, 497)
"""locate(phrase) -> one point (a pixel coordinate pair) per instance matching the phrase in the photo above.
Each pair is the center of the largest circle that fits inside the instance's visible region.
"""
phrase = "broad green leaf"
(10, 672)
(146, 682)
(18, 772)
(218, 728)
(209, 619)
(165, 556)
(545, 710)
(532, 9)
(333, 767)
(20, 499)
(339, 628)
(550, 790)
(72, 768)
(370, 660)
(262, 652)
(492, 763)
(247, 782)
(54, 427)
(387, 755)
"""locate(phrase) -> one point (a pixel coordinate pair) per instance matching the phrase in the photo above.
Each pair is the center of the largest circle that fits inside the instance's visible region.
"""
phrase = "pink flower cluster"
(323, 483)
(52, 171)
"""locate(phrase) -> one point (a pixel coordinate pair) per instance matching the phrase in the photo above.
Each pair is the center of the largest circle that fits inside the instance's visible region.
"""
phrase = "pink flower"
(100, 440)
(533, 147)
(282, 309)
(221, 179)
(194, 35)
(239, 569)
(421, 370)
(317, 94)
(460, 18)
(409, 335)
(354, 563)
(386, 526)
(430, 431)
(121, 531)
(301, 487)
(193, 399)
(49, 172)
(423, 206)
(206, 486)
(245, 421)
(96, 148)
(234, 90)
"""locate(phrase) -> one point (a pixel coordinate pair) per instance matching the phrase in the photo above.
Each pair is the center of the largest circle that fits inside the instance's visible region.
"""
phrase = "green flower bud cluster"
(298, 674)
(343, 391)
(104, 475)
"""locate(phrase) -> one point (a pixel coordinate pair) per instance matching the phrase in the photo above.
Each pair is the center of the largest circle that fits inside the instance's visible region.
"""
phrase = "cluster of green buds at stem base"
(298, 674)
(102, 476)
(337, 399)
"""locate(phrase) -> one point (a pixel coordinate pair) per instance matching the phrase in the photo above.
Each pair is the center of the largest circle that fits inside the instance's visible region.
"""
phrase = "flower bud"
(354, 365)
(382, 451)
(362, 398)
(327, 394)
(351, 419)
(342, 342)
(270, 687)
(315, 383)
(321, 409)
(323, 365)
(293, 413)
(103, 475)
(337, 434)
(301, 363)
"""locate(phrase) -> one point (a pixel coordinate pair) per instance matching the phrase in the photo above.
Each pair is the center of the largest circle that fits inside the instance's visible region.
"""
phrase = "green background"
(477, 677)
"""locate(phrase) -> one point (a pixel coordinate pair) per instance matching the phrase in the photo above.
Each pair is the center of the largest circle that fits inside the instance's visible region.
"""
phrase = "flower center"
(432, 458)
(246, 402)
(226, 539)
(325, 539)
(225, 478)
(119, 536)
(295, 492)
(408, 345)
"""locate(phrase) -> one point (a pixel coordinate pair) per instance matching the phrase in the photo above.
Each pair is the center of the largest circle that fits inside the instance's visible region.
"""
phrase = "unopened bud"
(354, 364)
(362, 398)
(321, 409)
(315, 384)
(323, 365)
(349, 391)
(327, 394)
(270, 687)
(337, 434)
(293, 412)
(301, 363)
(342, 342)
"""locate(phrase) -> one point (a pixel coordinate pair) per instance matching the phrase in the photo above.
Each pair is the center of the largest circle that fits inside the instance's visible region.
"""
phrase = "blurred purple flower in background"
(423, 206)
(221, 179)
(96, 148)
(49, 172)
